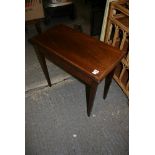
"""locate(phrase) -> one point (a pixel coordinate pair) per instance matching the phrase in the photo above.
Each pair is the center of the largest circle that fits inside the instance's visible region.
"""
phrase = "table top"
(88, 54)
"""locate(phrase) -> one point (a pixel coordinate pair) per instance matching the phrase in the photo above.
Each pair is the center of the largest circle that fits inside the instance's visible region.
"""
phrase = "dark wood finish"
(38, 27)
(108, 80)
(43, 65)
(79, 55)
(90, 96)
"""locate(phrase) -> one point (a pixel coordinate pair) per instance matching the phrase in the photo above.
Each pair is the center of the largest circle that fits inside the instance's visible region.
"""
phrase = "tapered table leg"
(90, 96)
(108, 80)
(42, 61)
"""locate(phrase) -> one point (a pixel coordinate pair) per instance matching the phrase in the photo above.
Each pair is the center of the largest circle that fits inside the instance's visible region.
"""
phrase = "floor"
(56, 120)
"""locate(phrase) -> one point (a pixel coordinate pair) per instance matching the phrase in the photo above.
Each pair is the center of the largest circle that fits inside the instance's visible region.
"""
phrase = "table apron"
(68, 67)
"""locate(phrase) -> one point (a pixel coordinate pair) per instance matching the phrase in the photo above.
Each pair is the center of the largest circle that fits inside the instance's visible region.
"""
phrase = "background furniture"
(36, 22)
(117, 35)
(34, 13)
(58, 9)
(105, 18)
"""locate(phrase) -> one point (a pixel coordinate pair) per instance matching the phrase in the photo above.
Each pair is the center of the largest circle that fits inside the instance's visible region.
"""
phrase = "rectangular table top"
(86, 53)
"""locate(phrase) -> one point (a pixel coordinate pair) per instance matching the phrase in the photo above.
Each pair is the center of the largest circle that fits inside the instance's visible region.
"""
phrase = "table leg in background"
(108, 80)
(42, 61)
(38, 27)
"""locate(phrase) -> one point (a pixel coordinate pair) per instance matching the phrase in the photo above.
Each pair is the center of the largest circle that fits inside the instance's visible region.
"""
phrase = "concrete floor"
(56, 120)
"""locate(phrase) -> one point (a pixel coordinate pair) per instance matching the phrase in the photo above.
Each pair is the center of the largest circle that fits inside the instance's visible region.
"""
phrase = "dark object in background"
(78, 28)
(97, 14)
(58, 9)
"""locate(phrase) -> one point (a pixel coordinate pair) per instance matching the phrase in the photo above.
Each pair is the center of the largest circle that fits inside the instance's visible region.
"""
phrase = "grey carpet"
(54, 115)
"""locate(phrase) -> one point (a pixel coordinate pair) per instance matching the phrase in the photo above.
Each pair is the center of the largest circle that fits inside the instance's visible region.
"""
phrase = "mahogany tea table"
(82, 56)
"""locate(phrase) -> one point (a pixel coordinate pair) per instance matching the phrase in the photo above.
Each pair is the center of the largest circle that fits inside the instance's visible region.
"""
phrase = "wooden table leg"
(42, 61)
(90, 96)
(38, 27)
(108, 80)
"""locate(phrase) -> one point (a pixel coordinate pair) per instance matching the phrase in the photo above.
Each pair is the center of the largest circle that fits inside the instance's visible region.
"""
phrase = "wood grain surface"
(79, 50)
